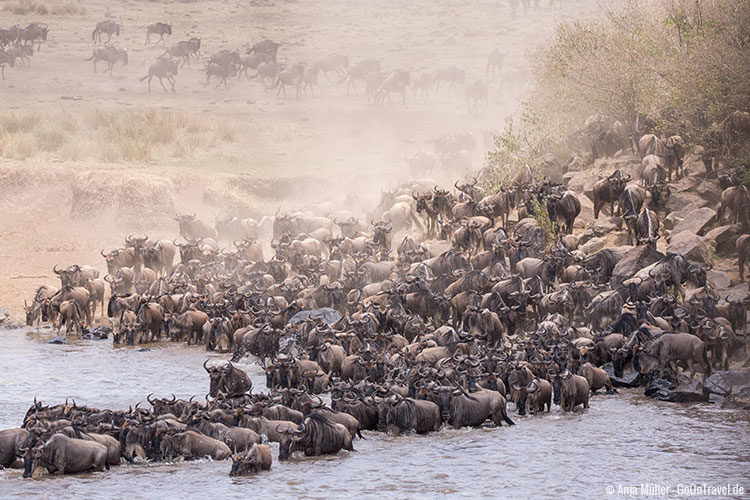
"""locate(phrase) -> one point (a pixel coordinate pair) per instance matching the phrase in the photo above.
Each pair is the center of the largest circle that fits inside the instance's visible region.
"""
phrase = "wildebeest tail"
(705, 360)
(93, 34)
(143, 78)
(507, 418)
(93, 54)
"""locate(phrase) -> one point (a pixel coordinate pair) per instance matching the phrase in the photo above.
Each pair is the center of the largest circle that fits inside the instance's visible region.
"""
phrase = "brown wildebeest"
(6, 58)
(110, 55)
(495, 61)
(162, 69)
(221, 73)
(160, 29)
(63, 455)
(109, 27)
(671, 349)
(257, 459)
(477, 92)
(574, 390)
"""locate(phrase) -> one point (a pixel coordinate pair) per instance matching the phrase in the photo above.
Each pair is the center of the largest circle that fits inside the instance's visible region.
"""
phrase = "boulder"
(57, 340)
(719, 280)
(578, 181)
(739, 401)
(739, 293)
(593, 245)
(628, 379)
(694, 248)
(634, 260)
(710, 191)
(724, 383)
(672, 219)
(697, 221)
(600, 227)
(680, 201)
(687, 391)
(723, 237)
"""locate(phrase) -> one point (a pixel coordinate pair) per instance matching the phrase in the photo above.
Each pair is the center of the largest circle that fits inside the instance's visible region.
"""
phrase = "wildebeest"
(6, 59)
(11, 444)
(266, 47)
(221, 72)
(228, 380)
(406, 414)
(476, 93)
(160, 29)
(162, 69)
(109, 27)
(495, 60)
(396, 82)
(608, 191)
(192, 445)
(258, 458)
(670, 349)
(564, 207)
(63, 455)
(669, 150)
(192, 228)
(450, 74)
(316, 435)
(574, 390)
(743, 252)
(291, 77)
(110, 55)
(460, 408)
(647, 227)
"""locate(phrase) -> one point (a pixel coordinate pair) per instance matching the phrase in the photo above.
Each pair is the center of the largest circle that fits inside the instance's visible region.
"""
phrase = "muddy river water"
(622, 440)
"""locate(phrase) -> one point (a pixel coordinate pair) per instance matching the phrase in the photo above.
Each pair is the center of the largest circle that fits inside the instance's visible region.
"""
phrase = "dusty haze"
(86, 158)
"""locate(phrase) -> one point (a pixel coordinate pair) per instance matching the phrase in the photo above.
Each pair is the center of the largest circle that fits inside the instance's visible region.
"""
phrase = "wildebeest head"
(217, 374)
(35, 461)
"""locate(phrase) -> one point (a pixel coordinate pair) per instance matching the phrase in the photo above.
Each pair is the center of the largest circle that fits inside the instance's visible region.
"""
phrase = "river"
(622, 440)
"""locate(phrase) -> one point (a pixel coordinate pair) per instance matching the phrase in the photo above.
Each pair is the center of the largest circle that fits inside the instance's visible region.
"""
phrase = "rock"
(728, 382)
(739, 293)
(600, 227)
(710, 191)
(723, 237)
(57, 340)
(697, 221)
(628, 379)
(593, 245)
(685, 183)
(330, 316)
(718, 279)
(740, 401)
(671, 220)
(680, 201)
(685, 392)
(694, 248)
(143, 349)
(576, 181)
(634, 260)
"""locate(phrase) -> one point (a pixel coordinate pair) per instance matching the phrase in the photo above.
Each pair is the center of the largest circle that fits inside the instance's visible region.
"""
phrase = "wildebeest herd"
(474, 309)
(261, 61)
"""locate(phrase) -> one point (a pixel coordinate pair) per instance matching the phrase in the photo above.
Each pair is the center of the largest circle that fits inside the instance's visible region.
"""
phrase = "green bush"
(685, 63)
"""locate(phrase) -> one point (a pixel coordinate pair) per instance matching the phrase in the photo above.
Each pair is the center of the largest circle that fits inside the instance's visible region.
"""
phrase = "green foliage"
(542, 218)
(684, 63)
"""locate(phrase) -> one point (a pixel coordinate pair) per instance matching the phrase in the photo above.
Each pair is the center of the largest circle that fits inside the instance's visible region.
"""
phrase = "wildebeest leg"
(208, 77)
(148, 37)
(172, 81)
(162, 84)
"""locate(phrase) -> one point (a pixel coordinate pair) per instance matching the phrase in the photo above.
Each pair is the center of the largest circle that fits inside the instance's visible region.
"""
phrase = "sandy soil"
(68, 190)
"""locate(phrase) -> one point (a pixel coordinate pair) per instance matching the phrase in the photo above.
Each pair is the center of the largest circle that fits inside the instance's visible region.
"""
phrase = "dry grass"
(41, 8)
(111, 136)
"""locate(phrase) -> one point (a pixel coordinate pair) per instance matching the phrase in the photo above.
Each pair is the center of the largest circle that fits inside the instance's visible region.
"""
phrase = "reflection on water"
(621, 439)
